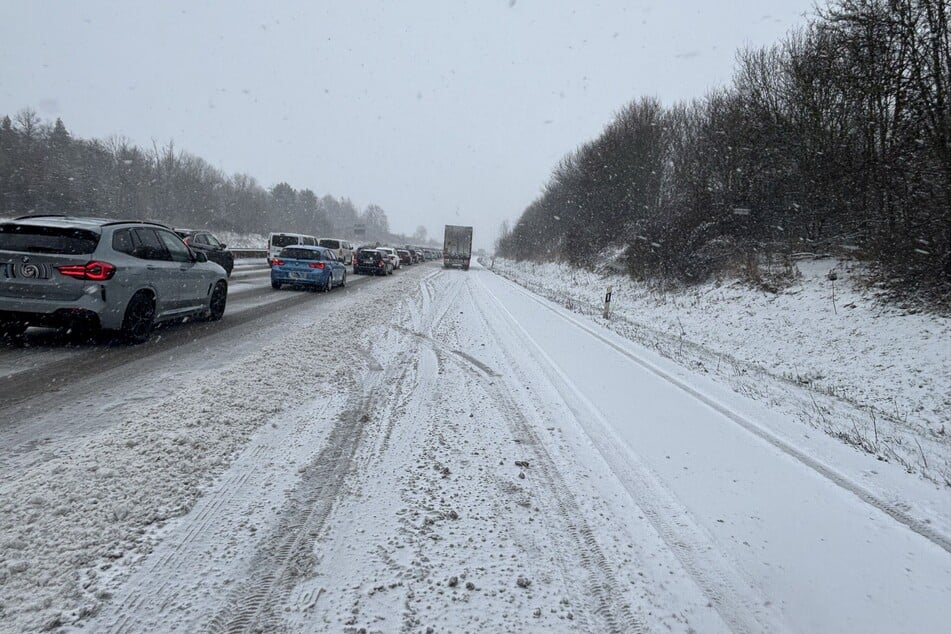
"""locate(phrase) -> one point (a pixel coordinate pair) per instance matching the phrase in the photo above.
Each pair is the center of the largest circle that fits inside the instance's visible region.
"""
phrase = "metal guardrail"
(248, 253)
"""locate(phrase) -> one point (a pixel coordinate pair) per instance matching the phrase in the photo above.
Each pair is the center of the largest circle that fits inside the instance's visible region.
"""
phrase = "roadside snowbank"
(242, 240)
(827, 350)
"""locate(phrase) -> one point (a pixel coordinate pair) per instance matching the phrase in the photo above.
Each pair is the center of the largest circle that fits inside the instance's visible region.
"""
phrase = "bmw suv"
(61, 271)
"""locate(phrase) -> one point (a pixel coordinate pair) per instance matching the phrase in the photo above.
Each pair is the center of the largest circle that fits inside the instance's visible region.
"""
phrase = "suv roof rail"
(28, 216)
(137, 222)
(102, 222)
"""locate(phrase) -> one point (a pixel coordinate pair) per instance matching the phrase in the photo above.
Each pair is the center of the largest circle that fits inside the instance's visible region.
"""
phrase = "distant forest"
(44, 169)
(835, 140)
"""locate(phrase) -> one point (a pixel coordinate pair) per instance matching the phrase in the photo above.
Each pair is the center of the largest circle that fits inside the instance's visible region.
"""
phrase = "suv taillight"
(94, 271)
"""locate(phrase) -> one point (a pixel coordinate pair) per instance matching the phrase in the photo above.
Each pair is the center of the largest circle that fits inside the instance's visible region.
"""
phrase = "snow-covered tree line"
(44, 169)
(838, 138)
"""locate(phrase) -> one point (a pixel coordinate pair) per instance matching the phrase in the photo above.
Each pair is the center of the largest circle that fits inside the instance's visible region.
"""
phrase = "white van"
(342, 248)
(277, 241)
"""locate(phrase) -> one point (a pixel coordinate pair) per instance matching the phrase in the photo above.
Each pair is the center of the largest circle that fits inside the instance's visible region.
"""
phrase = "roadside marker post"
(607, 302)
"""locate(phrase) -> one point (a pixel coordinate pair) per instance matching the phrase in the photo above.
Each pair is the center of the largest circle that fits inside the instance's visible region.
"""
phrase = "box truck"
(457, 247)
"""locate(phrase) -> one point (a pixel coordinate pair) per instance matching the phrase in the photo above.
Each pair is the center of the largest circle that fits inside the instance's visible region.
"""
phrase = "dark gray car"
(116, 275)
(205, 242)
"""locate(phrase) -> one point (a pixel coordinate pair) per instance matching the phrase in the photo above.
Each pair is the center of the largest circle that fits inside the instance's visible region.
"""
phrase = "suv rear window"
(330, 244)
(39, 239)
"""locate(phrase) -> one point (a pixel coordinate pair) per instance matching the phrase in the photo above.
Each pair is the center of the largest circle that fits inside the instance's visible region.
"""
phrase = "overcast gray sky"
(438, 111)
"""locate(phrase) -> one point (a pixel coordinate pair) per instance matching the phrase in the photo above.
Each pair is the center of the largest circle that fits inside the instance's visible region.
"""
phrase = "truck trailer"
(457, 247)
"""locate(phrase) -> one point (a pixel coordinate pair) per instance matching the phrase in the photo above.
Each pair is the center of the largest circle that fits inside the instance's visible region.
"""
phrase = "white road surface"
(443, 451)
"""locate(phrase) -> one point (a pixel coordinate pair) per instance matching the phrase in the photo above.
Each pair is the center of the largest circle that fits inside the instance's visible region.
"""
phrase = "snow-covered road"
(445, 450)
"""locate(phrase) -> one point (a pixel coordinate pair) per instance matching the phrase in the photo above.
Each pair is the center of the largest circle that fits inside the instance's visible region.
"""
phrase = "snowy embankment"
(824, 350)
(242, 240)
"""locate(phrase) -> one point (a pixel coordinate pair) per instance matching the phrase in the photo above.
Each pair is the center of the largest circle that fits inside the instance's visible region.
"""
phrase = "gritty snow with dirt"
(448, 451)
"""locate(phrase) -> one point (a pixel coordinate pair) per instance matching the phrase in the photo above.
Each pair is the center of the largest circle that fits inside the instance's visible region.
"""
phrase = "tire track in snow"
(445, 301)
(287, 555)
(153, 592)
(928, 532)
(611, 615)
(389, 438)
(614, 613)
(738, 603)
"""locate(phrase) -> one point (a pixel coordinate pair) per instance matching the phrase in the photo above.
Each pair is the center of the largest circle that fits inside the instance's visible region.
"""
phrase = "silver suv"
(116, 275)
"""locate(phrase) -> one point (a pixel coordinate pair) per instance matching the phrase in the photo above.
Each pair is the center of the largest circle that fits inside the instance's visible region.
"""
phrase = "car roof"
(79, 222)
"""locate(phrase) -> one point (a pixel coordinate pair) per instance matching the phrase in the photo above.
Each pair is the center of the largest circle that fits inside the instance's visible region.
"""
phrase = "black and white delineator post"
(607, 302)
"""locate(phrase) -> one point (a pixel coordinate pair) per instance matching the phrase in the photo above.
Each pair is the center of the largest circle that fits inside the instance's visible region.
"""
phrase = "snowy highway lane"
(468, 458)
(755, 520)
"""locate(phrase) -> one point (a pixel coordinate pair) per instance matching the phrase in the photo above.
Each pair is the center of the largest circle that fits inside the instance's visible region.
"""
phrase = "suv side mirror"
(223, 245)
(199, 256)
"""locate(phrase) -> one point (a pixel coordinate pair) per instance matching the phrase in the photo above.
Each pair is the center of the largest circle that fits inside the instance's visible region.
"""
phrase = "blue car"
(316, 268)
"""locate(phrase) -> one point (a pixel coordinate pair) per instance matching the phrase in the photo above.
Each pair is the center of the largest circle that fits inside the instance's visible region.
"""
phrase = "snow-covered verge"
(825, 350)
(242, 240)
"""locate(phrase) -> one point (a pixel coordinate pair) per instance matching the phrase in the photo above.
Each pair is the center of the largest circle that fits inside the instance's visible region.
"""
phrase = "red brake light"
(276, 262)
(316, 265)
(94, 271)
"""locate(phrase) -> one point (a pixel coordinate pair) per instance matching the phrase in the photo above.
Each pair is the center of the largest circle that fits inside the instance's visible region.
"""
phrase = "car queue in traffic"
(83, 274)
